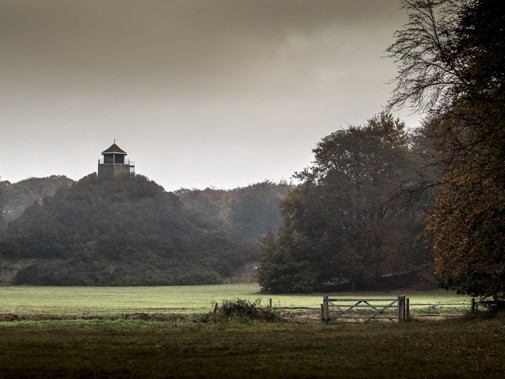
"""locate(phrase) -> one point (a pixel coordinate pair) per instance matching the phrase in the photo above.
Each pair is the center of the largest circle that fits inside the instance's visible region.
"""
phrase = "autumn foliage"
(452, 65)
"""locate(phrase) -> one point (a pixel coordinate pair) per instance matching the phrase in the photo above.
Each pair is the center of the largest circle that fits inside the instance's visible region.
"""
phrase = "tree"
(462, 87)
(343, 223)
(429, 66)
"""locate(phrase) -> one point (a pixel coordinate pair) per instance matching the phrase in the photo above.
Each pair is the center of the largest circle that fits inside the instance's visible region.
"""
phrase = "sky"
(199, 93)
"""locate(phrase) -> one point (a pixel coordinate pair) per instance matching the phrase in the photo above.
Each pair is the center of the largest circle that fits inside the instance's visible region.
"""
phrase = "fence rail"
(126, 162)
(439, 309)
(393, 309)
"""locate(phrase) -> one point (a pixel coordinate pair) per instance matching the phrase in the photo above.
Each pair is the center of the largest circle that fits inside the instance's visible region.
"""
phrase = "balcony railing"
(126, 162)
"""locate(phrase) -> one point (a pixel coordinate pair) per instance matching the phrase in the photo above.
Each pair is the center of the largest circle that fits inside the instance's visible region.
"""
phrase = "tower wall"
(112, 170)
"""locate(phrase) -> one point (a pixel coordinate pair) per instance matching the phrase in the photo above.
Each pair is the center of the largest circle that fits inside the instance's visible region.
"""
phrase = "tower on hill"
(114, 163)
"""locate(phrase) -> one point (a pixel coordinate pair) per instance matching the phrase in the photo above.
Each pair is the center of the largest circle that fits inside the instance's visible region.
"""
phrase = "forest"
(129, 231)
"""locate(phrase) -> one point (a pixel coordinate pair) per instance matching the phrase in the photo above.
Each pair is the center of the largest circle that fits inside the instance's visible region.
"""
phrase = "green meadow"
(117, 300)
(88, 301)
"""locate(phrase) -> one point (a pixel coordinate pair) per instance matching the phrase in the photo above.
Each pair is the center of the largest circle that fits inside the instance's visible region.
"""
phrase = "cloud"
(193, 80)
(181, 42)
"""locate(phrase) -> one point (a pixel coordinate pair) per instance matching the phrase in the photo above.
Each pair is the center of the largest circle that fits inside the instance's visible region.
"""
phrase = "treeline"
(129, 231)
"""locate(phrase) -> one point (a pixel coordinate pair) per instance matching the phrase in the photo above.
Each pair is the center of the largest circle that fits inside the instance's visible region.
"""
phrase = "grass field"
(26, 300)
(139, 349)
(114, 300)
(195, 347)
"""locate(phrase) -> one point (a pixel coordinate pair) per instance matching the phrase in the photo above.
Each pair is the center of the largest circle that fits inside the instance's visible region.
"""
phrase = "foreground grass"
(126, 348)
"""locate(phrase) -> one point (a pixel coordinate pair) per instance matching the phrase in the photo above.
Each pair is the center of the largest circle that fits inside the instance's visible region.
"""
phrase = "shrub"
(244, 310)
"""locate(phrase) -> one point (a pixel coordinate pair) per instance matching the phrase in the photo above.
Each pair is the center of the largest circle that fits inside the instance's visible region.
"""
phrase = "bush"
(244, 310)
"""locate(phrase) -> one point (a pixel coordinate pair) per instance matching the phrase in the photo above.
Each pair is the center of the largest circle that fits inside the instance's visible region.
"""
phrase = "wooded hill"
(16, 197)
(130, 231)
(247, 212)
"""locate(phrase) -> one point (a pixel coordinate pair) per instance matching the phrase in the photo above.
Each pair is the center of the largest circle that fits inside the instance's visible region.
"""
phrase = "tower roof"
(114, 149)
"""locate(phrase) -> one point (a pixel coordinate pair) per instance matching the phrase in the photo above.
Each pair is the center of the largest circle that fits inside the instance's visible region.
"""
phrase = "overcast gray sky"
(199, 93)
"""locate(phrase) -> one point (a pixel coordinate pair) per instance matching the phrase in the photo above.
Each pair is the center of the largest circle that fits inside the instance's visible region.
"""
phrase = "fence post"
(407, 308)
(401, 308)
(326, 312)
(474, 305)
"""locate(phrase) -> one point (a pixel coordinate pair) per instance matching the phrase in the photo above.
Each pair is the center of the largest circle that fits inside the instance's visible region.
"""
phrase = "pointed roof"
(114, 149)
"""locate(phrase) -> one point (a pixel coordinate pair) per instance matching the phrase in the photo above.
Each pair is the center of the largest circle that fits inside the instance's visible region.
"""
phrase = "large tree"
(452, 65)
(344, 223)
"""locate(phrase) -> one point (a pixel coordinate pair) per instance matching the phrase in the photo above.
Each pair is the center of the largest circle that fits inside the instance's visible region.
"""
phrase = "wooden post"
(407, 308)
(215, 308)
(474, 305)
(401, 308)
(326, 311)
(270, 303)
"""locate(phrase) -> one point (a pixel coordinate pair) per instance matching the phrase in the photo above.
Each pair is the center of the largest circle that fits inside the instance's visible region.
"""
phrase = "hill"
(124, 231)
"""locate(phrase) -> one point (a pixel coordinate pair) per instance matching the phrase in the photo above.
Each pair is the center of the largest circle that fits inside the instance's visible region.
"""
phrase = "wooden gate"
(364, 310)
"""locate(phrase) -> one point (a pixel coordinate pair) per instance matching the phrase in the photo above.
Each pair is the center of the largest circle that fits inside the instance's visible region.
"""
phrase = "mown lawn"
(191, 348)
